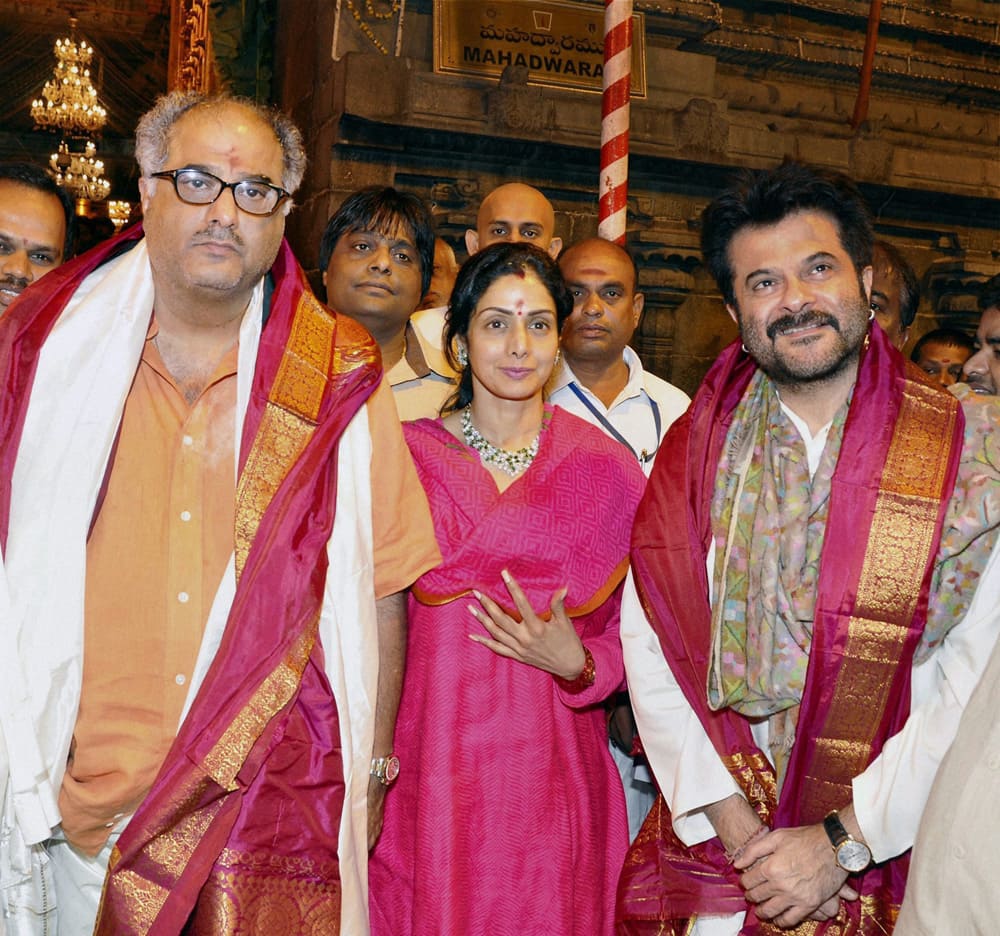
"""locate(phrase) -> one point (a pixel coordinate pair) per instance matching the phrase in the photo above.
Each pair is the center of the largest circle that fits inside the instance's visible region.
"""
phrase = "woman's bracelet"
(586, 678)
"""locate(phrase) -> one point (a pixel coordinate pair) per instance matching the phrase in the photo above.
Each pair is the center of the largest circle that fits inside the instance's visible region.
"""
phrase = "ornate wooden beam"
(190, 65)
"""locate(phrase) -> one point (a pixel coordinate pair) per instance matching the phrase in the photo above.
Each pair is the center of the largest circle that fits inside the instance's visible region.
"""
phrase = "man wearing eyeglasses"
(200, 599)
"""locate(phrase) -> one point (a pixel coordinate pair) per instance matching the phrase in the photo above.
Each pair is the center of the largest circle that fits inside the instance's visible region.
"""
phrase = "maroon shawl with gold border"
(233, 830)
(894, 476)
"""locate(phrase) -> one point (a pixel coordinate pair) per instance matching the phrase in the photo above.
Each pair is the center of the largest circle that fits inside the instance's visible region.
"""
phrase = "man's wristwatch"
(853, 856)
(385, 769)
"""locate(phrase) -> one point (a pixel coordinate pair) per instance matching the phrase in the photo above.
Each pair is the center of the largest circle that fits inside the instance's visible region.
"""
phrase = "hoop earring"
(744, 347)
(871, 315)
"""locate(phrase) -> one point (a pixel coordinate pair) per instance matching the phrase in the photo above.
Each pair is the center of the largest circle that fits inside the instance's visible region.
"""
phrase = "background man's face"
(606, 308)
(942, 361)
(375, 278)
(514, 213)
(442, 277)
(214, 248)
(982, 370)
(32, 236)
(801, 311)
(887, 292)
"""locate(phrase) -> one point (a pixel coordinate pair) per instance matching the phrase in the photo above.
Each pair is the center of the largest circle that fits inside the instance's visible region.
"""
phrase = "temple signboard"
(559, 42)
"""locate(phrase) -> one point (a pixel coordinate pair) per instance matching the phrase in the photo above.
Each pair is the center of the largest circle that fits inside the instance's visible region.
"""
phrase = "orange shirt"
(155, 558)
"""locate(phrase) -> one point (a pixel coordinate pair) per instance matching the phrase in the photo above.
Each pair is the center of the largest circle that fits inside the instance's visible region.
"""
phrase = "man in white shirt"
(602, 381)
(982, 370)
(815, 585)
(377, 256)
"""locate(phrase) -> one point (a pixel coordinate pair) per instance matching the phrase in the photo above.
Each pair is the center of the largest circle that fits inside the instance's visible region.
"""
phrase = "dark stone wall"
(761, 85)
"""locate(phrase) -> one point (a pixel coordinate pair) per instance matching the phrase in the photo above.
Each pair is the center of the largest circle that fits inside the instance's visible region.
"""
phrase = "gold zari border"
(288, 421)
(900, 540)
(263, 893)
(756, 778)
(230, 752)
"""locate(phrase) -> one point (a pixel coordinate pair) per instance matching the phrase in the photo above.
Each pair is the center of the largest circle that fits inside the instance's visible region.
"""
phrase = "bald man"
(515, 212)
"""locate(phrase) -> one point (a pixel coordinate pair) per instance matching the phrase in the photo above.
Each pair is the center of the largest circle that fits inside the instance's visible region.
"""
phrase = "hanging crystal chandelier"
(69, 101)
(119, 212)
(80, 173)
(69, 106)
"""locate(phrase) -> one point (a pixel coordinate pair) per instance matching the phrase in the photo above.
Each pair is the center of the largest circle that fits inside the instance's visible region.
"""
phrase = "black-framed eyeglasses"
(197, 187)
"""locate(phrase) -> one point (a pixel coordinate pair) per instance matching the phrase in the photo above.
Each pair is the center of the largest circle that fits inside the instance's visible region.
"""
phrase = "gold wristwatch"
(853, 856)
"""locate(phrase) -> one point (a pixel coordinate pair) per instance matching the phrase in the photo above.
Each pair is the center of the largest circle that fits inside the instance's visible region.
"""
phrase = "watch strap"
(835, 829)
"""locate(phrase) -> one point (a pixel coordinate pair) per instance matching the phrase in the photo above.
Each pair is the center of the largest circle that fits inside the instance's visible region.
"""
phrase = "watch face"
(391, 768)
(853, 856)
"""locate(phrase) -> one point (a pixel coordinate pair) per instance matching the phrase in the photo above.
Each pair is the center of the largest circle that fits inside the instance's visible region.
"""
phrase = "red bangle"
(586, 678)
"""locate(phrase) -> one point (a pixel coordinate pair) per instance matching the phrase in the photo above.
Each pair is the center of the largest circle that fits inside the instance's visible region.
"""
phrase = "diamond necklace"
(511, 463)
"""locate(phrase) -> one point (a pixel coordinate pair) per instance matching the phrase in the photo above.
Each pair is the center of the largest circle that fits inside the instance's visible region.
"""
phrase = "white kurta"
(952, 887)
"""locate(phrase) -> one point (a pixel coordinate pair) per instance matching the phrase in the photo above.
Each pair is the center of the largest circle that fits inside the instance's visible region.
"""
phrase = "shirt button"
(185, 515)
(994, 762)
(180, 679)
(183, 597)
(187, 440)
(959, 851)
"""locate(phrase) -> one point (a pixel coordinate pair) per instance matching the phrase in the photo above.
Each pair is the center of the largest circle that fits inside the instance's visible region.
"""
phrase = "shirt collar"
(564, 376)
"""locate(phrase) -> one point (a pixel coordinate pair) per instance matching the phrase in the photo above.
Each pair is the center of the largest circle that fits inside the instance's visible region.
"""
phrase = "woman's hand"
(551, 645)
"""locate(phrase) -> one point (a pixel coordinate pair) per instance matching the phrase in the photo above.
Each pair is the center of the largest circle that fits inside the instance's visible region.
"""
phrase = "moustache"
(17, 282)
(808, 319)
(218, 235)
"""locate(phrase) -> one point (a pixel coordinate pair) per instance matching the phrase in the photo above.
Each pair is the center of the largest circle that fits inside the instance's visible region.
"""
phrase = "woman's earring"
(462, 355)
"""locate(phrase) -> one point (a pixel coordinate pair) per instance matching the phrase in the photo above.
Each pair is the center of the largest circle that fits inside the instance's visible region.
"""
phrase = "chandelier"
(69, 101)
(80, 173)
(119, 213)
(69, 106)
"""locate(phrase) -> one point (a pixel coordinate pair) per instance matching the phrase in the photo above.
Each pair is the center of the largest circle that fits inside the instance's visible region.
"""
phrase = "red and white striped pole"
(613, 189)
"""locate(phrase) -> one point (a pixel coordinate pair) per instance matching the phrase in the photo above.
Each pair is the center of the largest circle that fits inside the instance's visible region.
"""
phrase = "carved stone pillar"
(953, 286)
(190, 63)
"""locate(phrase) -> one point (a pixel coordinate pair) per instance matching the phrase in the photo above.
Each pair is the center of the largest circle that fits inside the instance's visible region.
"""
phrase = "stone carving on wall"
(190, 46)
(514, 107)
(871, 157)
(453, 194)
(699, 128)
(953, 288)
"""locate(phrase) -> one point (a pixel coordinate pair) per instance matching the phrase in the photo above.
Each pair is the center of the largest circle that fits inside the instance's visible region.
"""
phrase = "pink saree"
(508, 816)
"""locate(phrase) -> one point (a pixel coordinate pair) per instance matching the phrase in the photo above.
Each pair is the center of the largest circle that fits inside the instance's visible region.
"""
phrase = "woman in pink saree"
(508, 815)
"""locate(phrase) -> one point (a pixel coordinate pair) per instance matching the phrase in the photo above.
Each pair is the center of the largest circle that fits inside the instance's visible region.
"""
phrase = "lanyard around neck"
(644, 456)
